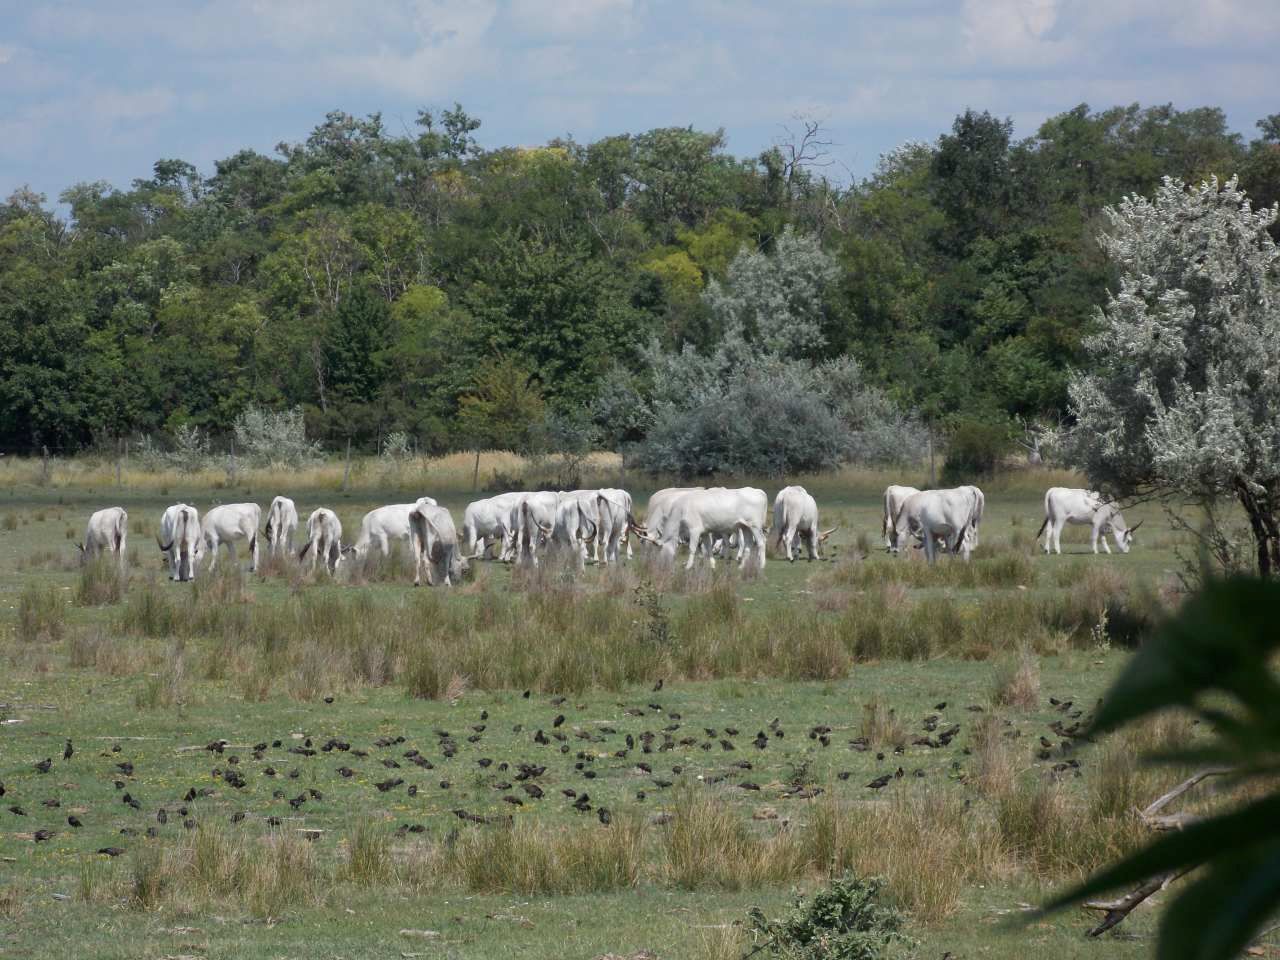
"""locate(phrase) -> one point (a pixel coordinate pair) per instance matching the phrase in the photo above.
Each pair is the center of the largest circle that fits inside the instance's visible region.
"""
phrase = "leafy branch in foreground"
(1213, 659)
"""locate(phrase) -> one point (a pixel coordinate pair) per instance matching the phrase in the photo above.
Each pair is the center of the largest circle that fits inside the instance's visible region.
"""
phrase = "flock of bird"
(558, 762)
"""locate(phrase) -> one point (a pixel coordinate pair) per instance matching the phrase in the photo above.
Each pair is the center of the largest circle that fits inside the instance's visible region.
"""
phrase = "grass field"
(741, 778)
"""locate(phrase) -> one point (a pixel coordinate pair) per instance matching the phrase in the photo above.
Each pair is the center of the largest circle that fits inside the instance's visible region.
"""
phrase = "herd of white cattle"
(591, 524)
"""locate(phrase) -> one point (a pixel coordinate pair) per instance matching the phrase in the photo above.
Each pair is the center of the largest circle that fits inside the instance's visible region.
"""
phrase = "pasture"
(554, 764)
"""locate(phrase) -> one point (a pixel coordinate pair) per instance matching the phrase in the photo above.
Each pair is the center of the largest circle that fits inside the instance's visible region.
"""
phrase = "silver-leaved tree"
(1183, 392)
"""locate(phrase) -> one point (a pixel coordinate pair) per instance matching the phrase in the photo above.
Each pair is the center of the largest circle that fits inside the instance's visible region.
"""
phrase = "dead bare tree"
(800, 150)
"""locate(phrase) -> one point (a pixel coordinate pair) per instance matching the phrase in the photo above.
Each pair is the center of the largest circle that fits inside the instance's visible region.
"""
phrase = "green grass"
(863, 644)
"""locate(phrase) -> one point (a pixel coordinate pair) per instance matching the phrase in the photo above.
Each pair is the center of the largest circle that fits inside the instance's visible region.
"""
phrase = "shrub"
(974, 450)
(845, 921)
(275, 438)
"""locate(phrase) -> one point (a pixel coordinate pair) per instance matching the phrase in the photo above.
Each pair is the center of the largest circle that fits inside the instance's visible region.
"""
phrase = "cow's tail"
(122, 524)
(1042, 526)
(303, 552)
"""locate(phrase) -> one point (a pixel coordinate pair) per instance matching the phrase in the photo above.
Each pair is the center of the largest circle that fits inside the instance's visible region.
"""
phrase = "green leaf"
(1197, 844)
(1217, 642)
(1218, 915)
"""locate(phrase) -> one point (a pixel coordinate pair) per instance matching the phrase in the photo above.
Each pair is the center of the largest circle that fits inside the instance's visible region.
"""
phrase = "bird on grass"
(74, 821)
(605, 816)
(40, 836)
(111, 851)
(44, 765)
(68, 750)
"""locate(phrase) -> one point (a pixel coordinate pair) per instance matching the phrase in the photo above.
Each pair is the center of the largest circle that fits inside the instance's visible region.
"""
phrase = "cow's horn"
(1136, 526)
(823, 536)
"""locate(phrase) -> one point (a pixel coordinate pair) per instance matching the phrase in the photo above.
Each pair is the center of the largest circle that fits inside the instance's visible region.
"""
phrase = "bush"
(274, 438)
(843, 922)
(974, 450)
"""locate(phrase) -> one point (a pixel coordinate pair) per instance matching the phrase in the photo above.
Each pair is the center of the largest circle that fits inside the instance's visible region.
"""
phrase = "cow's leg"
(930, 547)
(253, 551)
(211, 544)
(695, 544)
(811, 541)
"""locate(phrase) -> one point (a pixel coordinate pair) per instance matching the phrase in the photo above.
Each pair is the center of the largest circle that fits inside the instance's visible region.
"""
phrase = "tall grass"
(42, 614)
(103, 580)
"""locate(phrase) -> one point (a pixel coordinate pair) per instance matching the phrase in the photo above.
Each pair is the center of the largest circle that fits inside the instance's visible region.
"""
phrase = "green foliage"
(974, 450)
(1215, 659)
(845, 921)
(368, 276)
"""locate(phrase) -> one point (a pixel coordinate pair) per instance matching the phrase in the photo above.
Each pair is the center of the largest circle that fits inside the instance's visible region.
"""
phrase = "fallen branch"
(1117, 910)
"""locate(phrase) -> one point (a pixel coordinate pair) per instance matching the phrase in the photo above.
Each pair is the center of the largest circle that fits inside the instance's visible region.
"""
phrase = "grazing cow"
(795, 515)
(106, 532)
(534, 520)
(938, 515)
(979, 507)
(383, 524)
(227, 524)
(894, 497)
(1063, 505)
(660, 507)
(616, 520)
(324, 539)
(716, 513)
(577, 524)
(437, 540)
(282, 521)
(488, 522)
(180, 541)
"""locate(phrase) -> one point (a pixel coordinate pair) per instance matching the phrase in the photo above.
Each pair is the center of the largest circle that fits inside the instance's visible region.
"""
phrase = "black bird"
(484, 762)
(583, 803)
(444, 784)
(748, 785)
(162, 816)
(1, 789)
(237, 816)
(525, 695)
(726, 745)
(761, 741)
(52, 803)
(44, 765)
(844, 775)
(880, 781)
(940, 706)
(474, 817)
(74, 821)
(390, 764)
(298, 801)
(533, 790)
(128, 832)
(315, 794)
(391, 784)
(68, 750)
(657, 686)
(273, 821)
(111, 851)
(346, 773)
(189, 823)
(413, 790)
(558, 720)
(514, 801)
(662, 784)
(152, 832)
(605, 816)
(131, 801)
(42, 835)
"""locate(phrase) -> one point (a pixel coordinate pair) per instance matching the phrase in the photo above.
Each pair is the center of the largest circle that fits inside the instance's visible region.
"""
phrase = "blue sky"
(101, 90)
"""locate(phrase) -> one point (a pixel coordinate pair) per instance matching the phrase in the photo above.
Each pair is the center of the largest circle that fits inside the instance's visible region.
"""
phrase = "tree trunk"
(1263, 511)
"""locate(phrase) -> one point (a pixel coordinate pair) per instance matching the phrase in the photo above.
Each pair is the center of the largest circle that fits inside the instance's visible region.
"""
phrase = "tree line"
(646, 291)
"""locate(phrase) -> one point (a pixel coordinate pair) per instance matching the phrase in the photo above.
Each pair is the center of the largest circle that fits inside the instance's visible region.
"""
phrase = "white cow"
(660, 507)
(324, 539)
(534, 520)
(614, 508)
(577, 524)
(488, 522)
(106, 532)
(383, 524)
(795, 515)
(437, 540)
(1063, 505)
(894, 497)
(228, 523)
(979, 507)
(716, 513)
(180, 541)
(938, 515)
(282, 522)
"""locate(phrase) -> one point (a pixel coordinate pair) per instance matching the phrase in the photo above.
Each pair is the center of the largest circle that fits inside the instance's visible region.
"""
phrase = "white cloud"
(568, 17)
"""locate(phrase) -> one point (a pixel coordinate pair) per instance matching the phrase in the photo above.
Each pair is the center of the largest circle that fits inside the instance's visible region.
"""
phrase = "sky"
(101, 90)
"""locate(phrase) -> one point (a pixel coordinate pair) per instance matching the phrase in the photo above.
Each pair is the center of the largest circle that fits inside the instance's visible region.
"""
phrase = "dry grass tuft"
(881, 725)
(1018, 682)
(42, 614)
